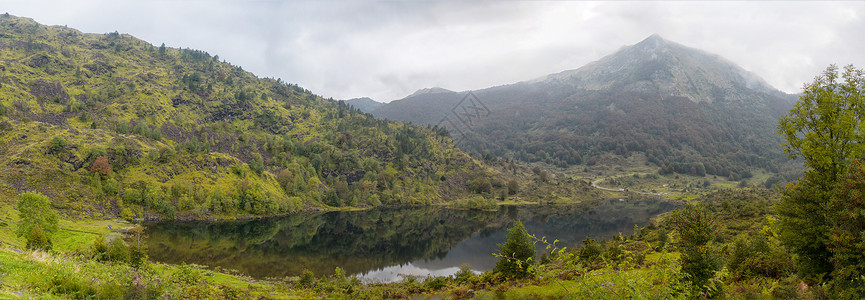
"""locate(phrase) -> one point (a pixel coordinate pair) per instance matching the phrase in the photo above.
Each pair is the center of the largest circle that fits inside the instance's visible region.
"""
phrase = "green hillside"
(685, 110)
(109, 124)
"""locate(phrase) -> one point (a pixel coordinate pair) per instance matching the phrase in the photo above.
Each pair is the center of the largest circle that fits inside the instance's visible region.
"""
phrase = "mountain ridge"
(364, 104)
(110, 125)
(569, 106)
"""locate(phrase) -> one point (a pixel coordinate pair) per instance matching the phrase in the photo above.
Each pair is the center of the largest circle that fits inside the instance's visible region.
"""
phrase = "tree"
(847, 233)
(101, 166)
(38, 221)
(513, 187)
(58, 144)
(825, 128)
(517, 253)
(696, 228)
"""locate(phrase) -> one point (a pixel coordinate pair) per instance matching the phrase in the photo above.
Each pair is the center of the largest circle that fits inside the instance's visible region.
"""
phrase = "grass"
(652, 282)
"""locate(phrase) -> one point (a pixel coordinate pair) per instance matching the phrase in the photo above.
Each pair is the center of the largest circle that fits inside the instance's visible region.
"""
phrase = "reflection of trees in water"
(367, 240)
(354, 241)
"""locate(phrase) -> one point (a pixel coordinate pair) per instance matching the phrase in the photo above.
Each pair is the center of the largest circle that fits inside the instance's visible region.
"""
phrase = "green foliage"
(38, 221)
(825, 129)
(513, 187)
(847, 233)
(464, 274)
(481, 185)
(36, 239)
(759, 256)
(696, 228)
(171, 115)
(517, 254)
(591, 252)
(307, 279)
(58, 144)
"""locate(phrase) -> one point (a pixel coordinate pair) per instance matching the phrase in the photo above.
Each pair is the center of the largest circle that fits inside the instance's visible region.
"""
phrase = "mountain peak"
(658, 65)
(653, 46)
(653, 39)
(432, 90)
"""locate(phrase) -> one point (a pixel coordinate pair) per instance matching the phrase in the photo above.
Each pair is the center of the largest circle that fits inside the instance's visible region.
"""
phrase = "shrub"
(516, 254)
(118, 251)
(38, 221)
(591, 251)
(37, 239)
(101, 166)
(696, 228)
(307, 279)
(513, 187)
(58, 144)
(759, 256)
(464, 274)
(481, 185)
(435, 283)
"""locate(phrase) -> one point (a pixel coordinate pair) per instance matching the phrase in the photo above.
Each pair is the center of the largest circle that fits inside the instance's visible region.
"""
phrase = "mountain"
(658, 65)
(364, 104)
(686, 110)
(107, 124)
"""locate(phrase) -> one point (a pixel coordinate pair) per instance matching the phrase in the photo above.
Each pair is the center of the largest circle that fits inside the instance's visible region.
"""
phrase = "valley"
(136, 171)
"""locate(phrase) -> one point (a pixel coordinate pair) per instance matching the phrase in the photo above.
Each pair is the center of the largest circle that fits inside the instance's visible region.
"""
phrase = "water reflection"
(382, 244)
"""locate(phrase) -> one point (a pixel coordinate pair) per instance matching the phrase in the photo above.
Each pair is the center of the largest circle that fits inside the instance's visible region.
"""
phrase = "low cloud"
(387, 50)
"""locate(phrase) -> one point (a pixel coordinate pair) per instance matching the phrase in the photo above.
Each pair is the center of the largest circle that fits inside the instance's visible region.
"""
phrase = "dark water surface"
(384, 244)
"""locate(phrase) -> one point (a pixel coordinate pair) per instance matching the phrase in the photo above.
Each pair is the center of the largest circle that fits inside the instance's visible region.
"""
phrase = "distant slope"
(688, 111)
(425, 106)
(364, 104)
(178, 133)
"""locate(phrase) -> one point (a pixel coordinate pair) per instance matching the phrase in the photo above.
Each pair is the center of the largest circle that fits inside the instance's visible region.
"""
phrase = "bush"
(307, 279)
(696, 228)
(591, 251)
(464, 274)
(513, 187)
(58, 144)
(118, 251)
(435, 283)
(516, 254)
(101, 166)
(36, 239)
(481, 185)
(38, 221)
(759, 256)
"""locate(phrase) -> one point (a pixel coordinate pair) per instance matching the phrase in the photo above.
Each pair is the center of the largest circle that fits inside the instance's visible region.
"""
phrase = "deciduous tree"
(38, 221)
(826, 128)
(847, 233)
(101, 166)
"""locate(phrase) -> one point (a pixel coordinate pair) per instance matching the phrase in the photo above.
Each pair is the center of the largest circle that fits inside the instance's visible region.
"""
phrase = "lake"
(386, 244)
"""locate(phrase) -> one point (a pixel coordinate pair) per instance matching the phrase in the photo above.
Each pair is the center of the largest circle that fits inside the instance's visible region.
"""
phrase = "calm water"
(384, 244)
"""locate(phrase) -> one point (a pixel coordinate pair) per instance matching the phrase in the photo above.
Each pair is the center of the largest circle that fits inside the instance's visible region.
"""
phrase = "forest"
(126, 128)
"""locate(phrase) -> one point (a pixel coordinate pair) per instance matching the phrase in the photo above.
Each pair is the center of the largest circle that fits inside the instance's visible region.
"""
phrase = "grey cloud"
(386, 50)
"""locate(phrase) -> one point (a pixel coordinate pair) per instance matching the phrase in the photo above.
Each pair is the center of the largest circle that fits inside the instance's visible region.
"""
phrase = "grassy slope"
(185, 124)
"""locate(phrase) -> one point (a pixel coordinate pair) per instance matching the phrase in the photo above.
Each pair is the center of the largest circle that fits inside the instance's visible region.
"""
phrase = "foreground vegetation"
(743, 246)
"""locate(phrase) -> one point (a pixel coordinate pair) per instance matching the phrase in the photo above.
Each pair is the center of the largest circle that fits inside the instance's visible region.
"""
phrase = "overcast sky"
(387, 50)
